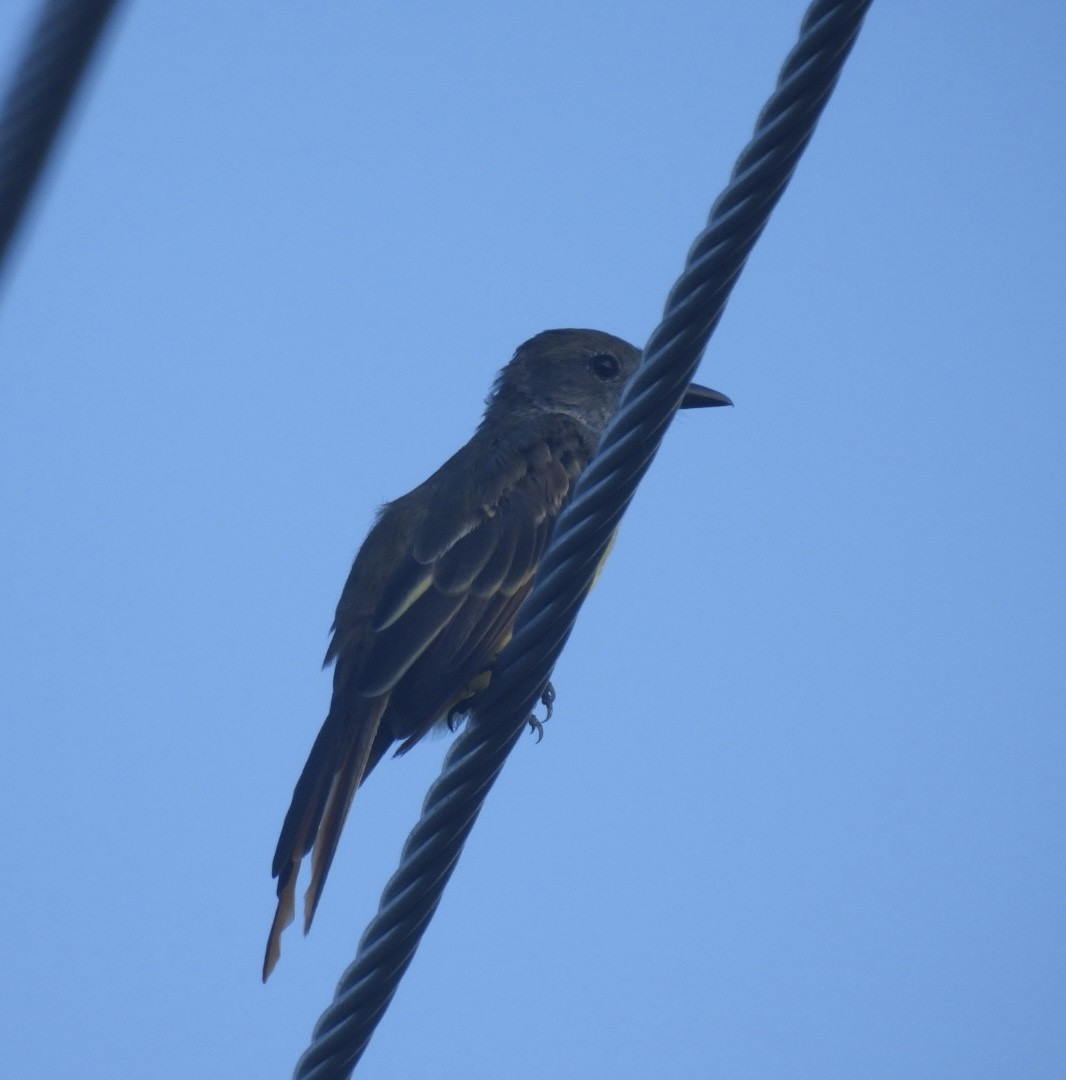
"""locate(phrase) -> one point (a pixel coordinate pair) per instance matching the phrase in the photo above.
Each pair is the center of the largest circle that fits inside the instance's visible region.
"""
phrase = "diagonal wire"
(581, 536)
(41, 89)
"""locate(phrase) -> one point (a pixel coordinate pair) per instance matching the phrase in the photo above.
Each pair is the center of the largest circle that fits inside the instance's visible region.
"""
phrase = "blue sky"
(800, 810)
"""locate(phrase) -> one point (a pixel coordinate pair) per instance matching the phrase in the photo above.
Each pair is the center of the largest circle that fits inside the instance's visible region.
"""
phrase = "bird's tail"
(343, 754)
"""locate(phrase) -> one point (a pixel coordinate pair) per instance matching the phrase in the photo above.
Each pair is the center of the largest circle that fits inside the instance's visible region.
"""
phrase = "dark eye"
(605, 366)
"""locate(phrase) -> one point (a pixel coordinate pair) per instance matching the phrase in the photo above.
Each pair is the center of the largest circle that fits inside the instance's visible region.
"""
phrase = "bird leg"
(458, 712)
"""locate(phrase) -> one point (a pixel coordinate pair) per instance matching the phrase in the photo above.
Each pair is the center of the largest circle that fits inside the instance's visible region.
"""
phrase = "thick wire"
(42, 87)
(582, 534)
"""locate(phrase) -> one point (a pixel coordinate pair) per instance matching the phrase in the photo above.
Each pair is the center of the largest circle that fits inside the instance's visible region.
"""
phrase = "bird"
(435, 589)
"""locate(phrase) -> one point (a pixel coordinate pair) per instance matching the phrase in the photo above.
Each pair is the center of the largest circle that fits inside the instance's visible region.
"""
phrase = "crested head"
(576, 373)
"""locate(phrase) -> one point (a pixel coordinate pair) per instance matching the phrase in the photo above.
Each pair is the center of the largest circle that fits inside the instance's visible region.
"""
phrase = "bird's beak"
(702, 397)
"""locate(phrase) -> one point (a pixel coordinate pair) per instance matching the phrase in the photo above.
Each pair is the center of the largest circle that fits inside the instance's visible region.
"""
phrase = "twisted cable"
(581, 537)
(37, 99)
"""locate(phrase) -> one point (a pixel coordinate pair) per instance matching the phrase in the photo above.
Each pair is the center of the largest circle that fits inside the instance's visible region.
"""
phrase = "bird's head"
(579, 373)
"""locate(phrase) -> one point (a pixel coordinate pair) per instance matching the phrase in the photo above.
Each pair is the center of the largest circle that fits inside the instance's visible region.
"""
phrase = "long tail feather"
(337, 764)
(339, 801)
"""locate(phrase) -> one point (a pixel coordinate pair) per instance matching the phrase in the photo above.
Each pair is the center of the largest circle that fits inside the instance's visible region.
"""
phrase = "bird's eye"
(604, 366)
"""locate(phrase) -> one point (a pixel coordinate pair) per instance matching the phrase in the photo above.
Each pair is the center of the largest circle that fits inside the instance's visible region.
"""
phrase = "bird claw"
(456, 715)
(547, 699)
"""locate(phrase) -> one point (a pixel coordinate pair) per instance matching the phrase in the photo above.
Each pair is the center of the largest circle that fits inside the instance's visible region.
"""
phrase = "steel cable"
(38, 97)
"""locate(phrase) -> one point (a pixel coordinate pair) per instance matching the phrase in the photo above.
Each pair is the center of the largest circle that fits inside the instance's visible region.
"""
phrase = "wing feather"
(457, 568)
(452, 666)
(393, 650)
(409, 582)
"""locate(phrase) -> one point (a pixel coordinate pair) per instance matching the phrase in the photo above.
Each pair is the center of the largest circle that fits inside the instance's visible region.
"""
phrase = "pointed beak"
(702, 397)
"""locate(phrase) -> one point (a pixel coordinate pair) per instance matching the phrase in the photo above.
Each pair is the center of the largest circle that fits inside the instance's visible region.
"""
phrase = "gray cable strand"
(582, 534)
(40, 92)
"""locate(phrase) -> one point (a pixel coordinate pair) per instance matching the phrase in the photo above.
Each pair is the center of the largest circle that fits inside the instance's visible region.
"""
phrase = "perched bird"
(434, 591)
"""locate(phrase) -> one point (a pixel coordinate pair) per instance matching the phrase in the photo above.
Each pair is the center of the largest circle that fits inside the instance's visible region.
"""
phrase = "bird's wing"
(454, 665)
(460, 595)
(409, 648)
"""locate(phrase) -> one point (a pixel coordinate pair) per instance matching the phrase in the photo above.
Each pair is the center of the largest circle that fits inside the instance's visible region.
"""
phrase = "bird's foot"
(457, 714)
(547, 699)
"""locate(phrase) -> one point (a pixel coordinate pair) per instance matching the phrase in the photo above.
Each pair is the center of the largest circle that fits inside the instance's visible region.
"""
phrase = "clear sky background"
(800, 811)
